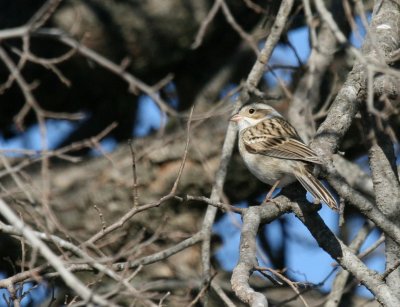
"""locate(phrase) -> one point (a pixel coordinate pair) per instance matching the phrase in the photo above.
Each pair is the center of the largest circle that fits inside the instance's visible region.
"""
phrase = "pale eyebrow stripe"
(265, 112)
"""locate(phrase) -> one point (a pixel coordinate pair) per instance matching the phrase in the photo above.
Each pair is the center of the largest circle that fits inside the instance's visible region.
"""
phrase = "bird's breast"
(268, 169)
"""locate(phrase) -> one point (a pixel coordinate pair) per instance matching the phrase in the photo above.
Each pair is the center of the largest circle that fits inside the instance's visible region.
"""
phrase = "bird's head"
(253, 113)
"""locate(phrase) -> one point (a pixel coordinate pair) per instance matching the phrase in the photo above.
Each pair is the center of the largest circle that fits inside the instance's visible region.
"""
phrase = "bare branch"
(247, 261)
(339, 284)
(71, 280)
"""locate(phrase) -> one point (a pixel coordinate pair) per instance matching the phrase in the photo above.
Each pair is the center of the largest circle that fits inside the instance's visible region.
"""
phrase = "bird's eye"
(251, 111)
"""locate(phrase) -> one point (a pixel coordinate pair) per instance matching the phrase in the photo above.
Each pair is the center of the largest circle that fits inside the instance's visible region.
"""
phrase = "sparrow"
(274, 153)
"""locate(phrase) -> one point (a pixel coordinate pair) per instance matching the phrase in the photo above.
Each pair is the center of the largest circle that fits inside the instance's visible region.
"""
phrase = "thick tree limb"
(339, 284)
(354, 90)
(387, 190)
(248, 261)
(306, 96)
(345, 256)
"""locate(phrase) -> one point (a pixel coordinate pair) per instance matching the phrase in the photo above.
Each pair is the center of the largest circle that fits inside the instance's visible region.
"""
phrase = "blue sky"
(32, 295)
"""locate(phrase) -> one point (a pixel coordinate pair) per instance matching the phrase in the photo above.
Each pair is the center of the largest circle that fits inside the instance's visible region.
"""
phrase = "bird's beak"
(236, 118)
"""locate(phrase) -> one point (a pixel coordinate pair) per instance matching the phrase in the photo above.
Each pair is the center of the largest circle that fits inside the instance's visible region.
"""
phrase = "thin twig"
(185, 153)
(205, 23)
(135, 192)
(390, 270)
(71, 280)
(373, 247)
(287, 281)
(132, 81)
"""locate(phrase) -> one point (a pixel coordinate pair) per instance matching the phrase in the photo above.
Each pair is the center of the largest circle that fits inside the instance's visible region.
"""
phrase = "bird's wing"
(277, 138)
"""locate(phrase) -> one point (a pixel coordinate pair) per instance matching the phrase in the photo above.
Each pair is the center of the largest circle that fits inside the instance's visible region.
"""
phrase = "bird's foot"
(268, 198)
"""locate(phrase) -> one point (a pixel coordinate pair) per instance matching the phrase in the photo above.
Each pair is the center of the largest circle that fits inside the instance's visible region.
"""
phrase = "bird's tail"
(316, 188)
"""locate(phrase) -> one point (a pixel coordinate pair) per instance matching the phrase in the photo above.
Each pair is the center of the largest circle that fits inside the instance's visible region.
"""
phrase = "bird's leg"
(271, 191)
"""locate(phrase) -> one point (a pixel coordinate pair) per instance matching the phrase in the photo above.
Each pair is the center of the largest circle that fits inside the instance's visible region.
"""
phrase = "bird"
(274, 152)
